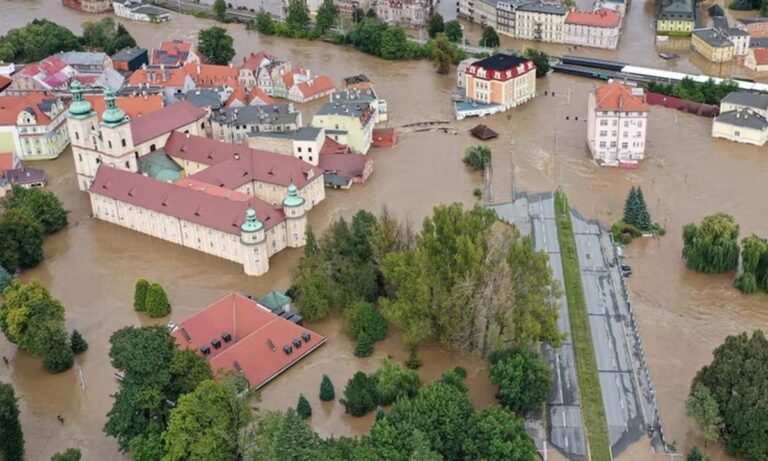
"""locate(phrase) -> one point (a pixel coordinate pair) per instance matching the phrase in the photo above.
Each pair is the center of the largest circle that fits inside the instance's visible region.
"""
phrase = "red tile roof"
(761, 56)
(349, 165)
(256, 60)
(134, 106)
(213, 190)
(209, 210)
(11, 106)
(169, 77)
(49, 66)
(210, 75)
(315, 86)
(331, 146)
(261, 95)
(616, 96)
(164, 121)
(258, 338)
(5, 82)
(6, 161)
(177, 49)
(246, 97)
(600, 18)
(232, 165)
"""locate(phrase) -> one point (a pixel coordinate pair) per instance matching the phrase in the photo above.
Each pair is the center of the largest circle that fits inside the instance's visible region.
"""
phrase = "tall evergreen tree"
(77, 343)
(303, 408)
(630, 207)
(643, 216)
(11, 438)
(327, 392)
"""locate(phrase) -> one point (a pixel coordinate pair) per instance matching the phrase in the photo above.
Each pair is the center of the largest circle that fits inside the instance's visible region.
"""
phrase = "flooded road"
(92, 266)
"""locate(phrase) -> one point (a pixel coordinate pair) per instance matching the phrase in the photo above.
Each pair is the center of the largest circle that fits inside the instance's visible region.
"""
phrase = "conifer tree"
(643, 216)
(327, 392)
(630, 207)
(77, 342)
(157, 304)
(364, 346)
(303, 408)
(11, 437)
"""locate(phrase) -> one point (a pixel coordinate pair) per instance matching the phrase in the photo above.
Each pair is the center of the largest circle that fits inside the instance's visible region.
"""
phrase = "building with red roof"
(598, 29)
(33, 126)
(47, 75)
(757, 59)
(501, 80)
(237, 334)
(314, 88)
(133, 106)
(616, 124)
(174, 53)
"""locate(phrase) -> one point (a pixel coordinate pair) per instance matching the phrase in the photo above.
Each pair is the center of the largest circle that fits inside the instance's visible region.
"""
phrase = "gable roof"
(36, 102)
(133, 106)
(761, 56)
(744, 118)
(618, 97)
(748, 99)
(173, 52)
(315, 86)
(600, 18)
(173, 77)
(257, 338)
(6, 161)
(256, 60)
(164, 121)
(211, 75)
(199, 207)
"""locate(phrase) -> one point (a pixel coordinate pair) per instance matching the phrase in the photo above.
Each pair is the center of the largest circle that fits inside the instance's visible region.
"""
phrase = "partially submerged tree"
(327, 392)
(712, 246)
(216, 46)
(702, 407)
(11, 437)
(303, 408)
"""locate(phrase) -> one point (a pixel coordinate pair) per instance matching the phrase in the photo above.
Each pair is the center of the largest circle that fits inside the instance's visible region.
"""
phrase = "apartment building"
(541, 22)
(616, 125)
(33, 126)
(235, 124)
(598, 29)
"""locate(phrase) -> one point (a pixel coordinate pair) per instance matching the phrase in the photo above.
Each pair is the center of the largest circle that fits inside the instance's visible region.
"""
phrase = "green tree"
(413, 362)
(477, 157)
(188, 369)
(364, 319)
(702, 407)
(523, 378)
(303, 408)
(497, 434)
(455, 377)
(31, 318)
(436, 25)
(216, 45)
(311, 279)
(11, 437)
(106, 35)
(393, 381)
(738, 382)
(264, 23)
(42, 204)
(207, 423)
(285, 436)
(695, 455)
(298, 14)
(58, 355)
(122, 39)
(443, 54)
(367, 36)
(358, 15)
(754, 262)
(453, 31)
(147, 447)
(631, 207)
(327, 15)
(327, 392)
(36, 41)
(394, 43)
(5, 278)
(77, 343)
(422, 449)
(359, 394)
(140, 295)
(71, 454)
(157, 304)
(371, 13)
(21, 240)
(644, 217)
(540, 59)
(713, 246)
(364, 347)
(220, 10)
(490, 38)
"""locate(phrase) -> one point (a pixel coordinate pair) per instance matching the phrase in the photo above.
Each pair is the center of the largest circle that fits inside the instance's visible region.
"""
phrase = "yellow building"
(349, 123)
(501, 79)
(712, 44)
(676, 17)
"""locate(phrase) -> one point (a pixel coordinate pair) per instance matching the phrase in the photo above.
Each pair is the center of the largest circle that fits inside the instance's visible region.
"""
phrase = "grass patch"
(586, 364)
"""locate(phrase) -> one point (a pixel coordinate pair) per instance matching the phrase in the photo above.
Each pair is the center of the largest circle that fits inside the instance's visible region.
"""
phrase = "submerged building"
(617, 124)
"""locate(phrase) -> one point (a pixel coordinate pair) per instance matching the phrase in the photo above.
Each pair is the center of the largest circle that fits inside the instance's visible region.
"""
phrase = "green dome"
(79, 107)
(112, 115)
(293, 199)
(251, 224)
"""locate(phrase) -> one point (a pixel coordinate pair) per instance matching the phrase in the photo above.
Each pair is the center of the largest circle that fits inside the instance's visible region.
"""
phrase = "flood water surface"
(92, 266)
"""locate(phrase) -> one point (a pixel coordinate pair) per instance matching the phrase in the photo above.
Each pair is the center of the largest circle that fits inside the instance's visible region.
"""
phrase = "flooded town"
(542, 145)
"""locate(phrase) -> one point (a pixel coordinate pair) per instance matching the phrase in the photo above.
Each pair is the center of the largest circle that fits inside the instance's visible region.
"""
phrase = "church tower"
(117, 141)
(82, 120)
(254, 241)
(294, 208)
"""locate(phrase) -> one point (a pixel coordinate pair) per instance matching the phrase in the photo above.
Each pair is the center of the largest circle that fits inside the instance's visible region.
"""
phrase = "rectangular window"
(624, 145)
(603, 122)
(603, 133)
(602, 143)
(613, 143)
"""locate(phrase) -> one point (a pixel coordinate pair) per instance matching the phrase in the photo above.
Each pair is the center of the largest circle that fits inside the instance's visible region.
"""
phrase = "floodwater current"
(92, 266)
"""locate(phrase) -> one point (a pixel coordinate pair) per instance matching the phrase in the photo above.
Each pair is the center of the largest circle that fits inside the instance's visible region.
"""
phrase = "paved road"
(535, 214)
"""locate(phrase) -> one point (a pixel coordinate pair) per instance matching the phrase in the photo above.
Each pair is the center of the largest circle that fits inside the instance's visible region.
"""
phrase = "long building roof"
(618, 97)
(152, 125)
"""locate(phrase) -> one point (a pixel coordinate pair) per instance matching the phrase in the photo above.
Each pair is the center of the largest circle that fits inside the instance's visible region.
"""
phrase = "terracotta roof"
(174, 77)
(761, 56)
(11, 107)
(246, 97)
(331, 146)
(238, 94)
(210, 75)
(348, 165)
(288, 80)
(133, 106)
(173, 52)
(257, 338)
(256, 60)
(206, 209)
(6, 161)
(5, 82)
(261, 95)
(23, 175)
(317, 85)
(50, 65)
(164, 121)
(213, 190)
(615, 96)
(600, 18)
(232, 165)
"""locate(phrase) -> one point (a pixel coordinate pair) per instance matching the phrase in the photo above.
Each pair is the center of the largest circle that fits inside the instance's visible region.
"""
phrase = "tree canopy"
(708, 92)
(754, 265)
(636, 211)
(36, 41)
(11, 437)
(21, 239)
(453, 31)
(702, 407)
(327, 15)
(156, 303)
(497, 434)
(490, 38)
(106, 35)
(70, 454)
(477, 157)
(220, 10)
(436, 25)
(43, 205)
(298, 14)
(216, 46)
(540, 59)
(523, 377)
(713, 246)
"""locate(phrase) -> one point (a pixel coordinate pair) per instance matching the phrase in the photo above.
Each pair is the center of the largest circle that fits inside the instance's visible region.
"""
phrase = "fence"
(684, 105)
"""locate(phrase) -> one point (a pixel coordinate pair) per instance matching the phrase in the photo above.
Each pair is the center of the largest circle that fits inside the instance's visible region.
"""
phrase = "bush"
(364, 346)
(624, 233)
(157, 304)
(58, 358)
(359, 395)
(365, 319)
(696, 455)
(140, 295)
(455, 378)
(478, 193)
(477, 157)
(77, 343)
(413, 362)
(540, 59)
(72, 454)
(5, 279)
(303, 408)
(393, 381)
(327, 392)
(523, 378)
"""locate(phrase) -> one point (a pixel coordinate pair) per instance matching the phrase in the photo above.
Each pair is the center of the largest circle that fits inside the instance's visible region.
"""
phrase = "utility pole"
(512, 168)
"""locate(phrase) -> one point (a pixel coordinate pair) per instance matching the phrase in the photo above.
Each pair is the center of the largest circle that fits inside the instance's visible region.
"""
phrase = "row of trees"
(452, 29)
(34, 321)
(708, 92)
(42, 38)
(150, 297)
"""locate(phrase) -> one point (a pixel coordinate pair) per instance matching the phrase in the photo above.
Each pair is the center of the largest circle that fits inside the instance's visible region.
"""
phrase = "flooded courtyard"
(92, 266)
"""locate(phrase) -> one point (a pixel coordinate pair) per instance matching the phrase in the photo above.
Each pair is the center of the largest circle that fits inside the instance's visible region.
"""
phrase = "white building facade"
(616, 125)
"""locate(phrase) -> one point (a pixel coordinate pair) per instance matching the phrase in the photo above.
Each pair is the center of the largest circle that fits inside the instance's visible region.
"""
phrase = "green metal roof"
(112, 115)
(160, 166)
(293, 199)
(80, 108)
(274, 300)
(251, 224)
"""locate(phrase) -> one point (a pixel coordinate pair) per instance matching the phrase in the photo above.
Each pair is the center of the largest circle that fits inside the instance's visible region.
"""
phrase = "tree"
(220, 10)
(359, 395)
(367, 36)
(358, 15)
(702, 407)
(32, 319)
(264, 23)
(371, 13)
(188, 369)
(643, 218)
(207, 422)
(523, 378)
(58, 356)
(754, 265)
(453, 31)
(121, 40)
(327, 15)
(490, 38)
(216, 45)
(540, 59)
(477, 157)
(631, 207)
(36, 41)
(11, 437)
(298, 15)
(71, 454)
(140, 295)
(21, 240)
(455, 377)
(77, 343)
(5, 278)
(737, 382)
(327, 392)
(444, 54)
(695, 455)
(106, 35)
(394, 43)
(311, 279)
(436, 25)
(364, 319)
(286, 436)
(393, 382)
(157, 304)
(712, 247)
(43, 205)
(497, 434)
(303, 408)
(364, 346)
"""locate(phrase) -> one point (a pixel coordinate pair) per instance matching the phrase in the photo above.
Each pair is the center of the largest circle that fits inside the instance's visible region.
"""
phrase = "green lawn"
(592, 409)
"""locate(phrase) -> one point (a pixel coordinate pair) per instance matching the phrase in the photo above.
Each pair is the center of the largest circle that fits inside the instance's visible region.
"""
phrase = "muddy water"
(91, 266)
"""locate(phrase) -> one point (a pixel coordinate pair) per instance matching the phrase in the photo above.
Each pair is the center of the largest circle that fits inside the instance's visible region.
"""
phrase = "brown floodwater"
(92, 266)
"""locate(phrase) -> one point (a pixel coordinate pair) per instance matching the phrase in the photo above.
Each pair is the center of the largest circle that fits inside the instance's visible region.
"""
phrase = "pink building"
(618, 118)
